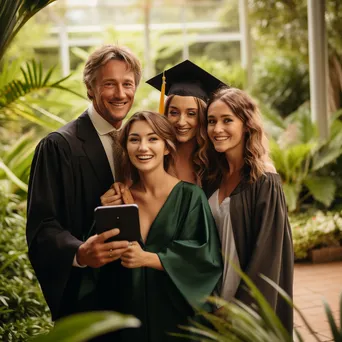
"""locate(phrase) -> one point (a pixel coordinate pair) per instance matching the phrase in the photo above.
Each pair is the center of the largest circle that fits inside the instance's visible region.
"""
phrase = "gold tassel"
(162, 95)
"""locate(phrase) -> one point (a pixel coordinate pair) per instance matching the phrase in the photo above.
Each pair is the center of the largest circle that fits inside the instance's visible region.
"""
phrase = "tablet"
(125, 217)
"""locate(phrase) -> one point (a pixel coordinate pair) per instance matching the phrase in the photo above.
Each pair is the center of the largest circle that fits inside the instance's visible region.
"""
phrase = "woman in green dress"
(177, 263)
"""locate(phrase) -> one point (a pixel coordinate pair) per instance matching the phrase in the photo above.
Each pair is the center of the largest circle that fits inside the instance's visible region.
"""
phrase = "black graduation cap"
(186, 79)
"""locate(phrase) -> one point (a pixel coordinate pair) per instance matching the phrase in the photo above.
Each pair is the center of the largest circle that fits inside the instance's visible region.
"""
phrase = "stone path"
(312, 284)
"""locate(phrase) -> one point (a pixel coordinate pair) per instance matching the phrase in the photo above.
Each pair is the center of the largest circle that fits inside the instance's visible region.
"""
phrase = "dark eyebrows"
(174, 107)
(110, 79)
(138, 135)
(221, 116)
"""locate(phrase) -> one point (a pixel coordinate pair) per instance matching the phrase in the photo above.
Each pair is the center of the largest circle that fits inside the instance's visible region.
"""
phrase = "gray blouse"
(221, 213)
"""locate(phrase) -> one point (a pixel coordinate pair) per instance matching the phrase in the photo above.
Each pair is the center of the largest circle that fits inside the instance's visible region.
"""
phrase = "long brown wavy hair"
(256, 154)
(200, 157)
(160, 126)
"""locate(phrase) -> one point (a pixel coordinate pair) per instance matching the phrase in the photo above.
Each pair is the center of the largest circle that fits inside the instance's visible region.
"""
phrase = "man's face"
(113, 91)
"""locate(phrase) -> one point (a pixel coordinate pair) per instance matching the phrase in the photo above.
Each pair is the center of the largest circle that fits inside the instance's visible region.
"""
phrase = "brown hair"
(160, 126)
(200, 157)
(102, 55)
(256, 144)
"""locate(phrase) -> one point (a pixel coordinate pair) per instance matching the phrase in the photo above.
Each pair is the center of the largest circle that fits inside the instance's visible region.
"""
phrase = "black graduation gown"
(69, 173)
(263, 241)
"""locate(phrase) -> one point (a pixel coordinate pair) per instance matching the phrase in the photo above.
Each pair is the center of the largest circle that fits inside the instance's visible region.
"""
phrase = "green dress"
(185, 238)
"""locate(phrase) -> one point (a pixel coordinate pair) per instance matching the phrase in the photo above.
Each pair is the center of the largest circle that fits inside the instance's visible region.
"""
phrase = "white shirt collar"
(101, 125)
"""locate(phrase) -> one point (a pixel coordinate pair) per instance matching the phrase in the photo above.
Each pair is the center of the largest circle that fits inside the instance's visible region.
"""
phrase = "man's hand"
(134, 256)
(95, 252)
(114, 195)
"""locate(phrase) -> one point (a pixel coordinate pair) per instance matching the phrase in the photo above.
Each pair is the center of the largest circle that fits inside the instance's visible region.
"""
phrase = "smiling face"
(113, 91)
(146, 150)
(226, 131)
(183, 115)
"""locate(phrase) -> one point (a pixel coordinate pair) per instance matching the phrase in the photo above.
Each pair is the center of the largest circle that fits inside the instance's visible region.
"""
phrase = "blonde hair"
(160, 126)
(103, 55)
(200, 157)
(256, 154)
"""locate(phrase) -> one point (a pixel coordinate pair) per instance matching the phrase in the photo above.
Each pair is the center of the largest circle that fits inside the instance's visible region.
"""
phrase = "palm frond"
(12, 177)
(9, 71)
(336, 332)
(32, 80)
(15, 100)
(13, 16)
(84, 326)
(16, 110)
(239, 322)
(18, 157)
(80, 53)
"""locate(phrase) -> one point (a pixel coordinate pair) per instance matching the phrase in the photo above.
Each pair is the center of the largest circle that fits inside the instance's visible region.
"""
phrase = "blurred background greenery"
(41, 89)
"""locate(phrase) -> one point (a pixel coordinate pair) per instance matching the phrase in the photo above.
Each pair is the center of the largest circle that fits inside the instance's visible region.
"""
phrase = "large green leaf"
(324, 157)
(321, 188)
(11, 176)
(277, 155)
(291, 192)
(19, 156)
(296, 155)
(84, 326)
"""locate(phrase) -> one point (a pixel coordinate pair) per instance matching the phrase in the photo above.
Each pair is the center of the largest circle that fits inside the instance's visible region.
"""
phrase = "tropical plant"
(14, 14)
(240, 323)
(14, 92)
(22, 88)
(84, 326)
(15, 163)
(20, 97)
(302, 159)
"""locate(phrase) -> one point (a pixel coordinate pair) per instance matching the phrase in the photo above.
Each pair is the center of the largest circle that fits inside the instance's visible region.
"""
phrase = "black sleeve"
(272, 255)
(51, 245)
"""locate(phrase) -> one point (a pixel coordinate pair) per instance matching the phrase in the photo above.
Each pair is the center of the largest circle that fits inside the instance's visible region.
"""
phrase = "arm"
(272, 255)
(193, 259)
(54, 222)
(135, 257)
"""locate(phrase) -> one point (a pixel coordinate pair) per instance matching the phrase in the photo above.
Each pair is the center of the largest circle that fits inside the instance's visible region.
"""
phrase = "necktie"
(118, 156)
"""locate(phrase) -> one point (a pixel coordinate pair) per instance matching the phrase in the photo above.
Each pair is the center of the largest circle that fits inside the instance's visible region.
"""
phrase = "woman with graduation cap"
(188, 88)
(249, 204)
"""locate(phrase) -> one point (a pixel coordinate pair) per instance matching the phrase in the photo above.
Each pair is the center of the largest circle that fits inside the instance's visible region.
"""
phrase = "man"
(71, 169)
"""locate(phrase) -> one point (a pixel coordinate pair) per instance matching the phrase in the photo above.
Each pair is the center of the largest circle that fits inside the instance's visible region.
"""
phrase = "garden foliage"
(23, 311)
(321, 229)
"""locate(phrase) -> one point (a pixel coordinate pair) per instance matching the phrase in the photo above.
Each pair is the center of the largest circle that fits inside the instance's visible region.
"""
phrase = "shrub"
(23, 311)
(315, 231)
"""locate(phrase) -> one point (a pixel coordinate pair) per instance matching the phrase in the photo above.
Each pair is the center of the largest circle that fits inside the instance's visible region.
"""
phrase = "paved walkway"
(312, 283)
